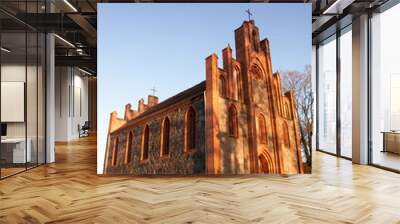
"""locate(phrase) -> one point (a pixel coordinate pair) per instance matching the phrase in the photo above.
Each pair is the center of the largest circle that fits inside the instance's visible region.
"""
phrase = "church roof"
(188, 93)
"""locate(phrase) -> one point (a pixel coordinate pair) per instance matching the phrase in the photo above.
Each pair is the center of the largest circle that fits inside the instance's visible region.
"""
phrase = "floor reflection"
(386, 159)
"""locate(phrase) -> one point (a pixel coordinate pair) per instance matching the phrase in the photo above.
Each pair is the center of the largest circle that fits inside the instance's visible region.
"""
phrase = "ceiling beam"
(338, 6)
(81, 61)
(84, 24)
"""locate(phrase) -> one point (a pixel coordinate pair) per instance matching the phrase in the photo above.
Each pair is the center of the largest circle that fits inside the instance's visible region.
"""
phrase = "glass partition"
(346, 92)
(334, 101)
(13, 108)
(22, 89)
(41, 107)
(31, 99)
(327, 95)
(385, 89)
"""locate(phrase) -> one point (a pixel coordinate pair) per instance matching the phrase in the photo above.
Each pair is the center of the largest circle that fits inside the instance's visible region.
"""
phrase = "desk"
(391, 141)
(13, 150)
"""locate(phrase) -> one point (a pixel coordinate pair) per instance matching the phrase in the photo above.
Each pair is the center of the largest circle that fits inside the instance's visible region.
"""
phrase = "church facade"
(237, 121)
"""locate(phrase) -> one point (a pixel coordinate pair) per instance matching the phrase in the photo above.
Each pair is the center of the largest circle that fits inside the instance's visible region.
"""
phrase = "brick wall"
(178, 161)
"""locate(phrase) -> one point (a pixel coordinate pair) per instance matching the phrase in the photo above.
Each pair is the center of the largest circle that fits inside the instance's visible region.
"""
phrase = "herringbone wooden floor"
(69, 191)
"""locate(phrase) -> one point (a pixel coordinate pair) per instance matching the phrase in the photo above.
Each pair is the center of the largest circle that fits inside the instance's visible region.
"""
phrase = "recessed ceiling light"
(5, 50)
(64, 40)
(338, 6)
(70, 5)
(84, 71)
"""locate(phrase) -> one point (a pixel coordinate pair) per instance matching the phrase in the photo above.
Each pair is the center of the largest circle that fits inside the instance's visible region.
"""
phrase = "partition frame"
(339, 32)
(382, 8)
(44, 94)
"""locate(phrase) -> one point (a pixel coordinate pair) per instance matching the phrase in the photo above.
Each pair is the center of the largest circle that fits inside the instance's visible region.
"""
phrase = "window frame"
(114, 160)
(286, 134)
(262, 129)
(334, 37)
(190, 126)
(129, 145)
(233, 122)
(145, 146)
(222, 86)
(162, 139)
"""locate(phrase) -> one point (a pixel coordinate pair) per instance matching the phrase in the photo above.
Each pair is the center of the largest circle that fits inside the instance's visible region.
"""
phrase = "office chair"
(84, 130)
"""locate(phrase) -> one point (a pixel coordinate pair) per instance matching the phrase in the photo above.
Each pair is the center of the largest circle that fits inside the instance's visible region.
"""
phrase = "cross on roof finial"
(154, 90)
(249, 13)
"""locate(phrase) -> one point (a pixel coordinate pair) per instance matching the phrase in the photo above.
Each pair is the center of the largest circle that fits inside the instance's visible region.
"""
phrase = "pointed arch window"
(222, 86)
(256, 72)
(115, 151)
(262, 130)
(286, 136)
(129, 143)
(233, 122)
(190, 129)
(145, 143)
(286, 110)
(238, 84)
(165, 133)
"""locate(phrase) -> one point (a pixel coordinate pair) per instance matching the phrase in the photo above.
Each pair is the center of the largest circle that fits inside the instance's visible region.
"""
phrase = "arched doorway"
(265, 163)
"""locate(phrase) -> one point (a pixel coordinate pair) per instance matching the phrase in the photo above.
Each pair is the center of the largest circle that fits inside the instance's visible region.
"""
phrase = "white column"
(50, 92)
(50, 99)
(360, 90)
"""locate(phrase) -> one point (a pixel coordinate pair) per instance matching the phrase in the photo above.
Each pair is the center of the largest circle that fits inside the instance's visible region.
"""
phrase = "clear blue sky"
(165, 45)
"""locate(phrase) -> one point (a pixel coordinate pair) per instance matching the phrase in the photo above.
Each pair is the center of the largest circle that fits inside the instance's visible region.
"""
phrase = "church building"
(237, 121)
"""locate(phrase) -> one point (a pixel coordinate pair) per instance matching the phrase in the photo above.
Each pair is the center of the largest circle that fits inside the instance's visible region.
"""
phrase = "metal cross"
(249, 13)
(154, 90)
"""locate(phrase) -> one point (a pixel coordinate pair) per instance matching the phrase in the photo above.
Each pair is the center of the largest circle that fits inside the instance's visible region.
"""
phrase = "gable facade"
(238, 122)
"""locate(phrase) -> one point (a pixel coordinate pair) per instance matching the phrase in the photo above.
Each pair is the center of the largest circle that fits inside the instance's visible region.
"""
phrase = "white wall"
(16, 73)
(12, 73)
(71, 103)
(80, 110)
(33, 126)
(61, 102)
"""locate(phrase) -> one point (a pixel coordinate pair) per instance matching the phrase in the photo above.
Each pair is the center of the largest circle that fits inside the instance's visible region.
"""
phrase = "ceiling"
(75, 22)
(332, 15)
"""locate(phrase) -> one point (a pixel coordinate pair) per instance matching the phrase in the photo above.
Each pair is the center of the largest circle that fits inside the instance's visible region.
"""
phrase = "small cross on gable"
(153, 90)
(249, 13)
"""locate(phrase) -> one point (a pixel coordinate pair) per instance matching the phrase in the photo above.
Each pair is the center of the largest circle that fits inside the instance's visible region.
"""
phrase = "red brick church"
(237, 121)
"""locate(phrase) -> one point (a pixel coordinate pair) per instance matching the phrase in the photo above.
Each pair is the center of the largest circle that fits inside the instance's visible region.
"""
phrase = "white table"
(18, 149)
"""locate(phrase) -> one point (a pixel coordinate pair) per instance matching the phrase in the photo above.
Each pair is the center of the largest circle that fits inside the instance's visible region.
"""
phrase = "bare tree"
(300, 84)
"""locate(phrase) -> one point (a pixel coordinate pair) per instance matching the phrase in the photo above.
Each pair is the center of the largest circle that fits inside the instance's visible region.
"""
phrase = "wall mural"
(238, 121)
